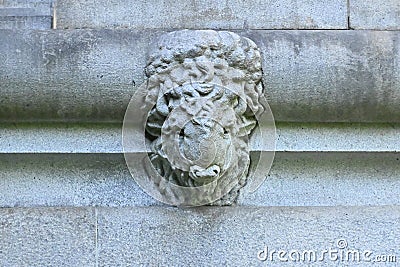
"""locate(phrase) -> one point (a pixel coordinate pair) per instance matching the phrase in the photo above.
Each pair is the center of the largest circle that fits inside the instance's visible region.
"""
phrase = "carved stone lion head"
(206, 86)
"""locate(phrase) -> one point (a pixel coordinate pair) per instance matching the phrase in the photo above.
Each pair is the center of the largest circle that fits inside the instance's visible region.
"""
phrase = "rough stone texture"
(27, 14)
(291, 137)
(28, 180)
(82, 164)
(25, 22)
(372, 14)
(329, 179)
(70, 75)
(288, 14)
(25, 3)
(331, 75)
(308, 75)
(296, 179)
(337, 137)
(233, 236)
(61, 138)
(207, 236)
(90, 75)
(47, 237)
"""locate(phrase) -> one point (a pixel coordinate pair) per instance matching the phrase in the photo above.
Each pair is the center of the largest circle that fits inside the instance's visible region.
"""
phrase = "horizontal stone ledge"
(24, 12)
(372, 14)
(290, 137)
(26, 22)
(296, 179)
(48, 236)
(229, 236)
(235, 236)
(27, 14)
(329, 179)
(25, 3)
(90, 75)
(287, 14)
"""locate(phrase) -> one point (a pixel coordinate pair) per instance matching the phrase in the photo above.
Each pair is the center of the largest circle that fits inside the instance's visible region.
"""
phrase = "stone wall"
(69, 68)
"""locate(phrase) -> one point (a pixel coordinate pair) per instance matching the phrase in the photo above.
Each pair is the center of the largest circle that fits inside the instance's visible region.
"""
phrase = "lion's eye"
(226, 131)
(182, 133)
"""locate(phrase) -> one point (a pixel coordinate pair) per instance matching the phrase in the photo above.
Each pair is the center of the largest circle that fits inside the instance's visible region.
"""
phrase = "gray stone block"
(288, 14)
(25, 3)
(90, 75)
(296, 179)
(331, 75)
(233, 236)
(24, 12)
(29, 180)
(82, 164)
(337, 137)
(25, 22)
(27, 14)
(372, 14)
(47, 237)
(107, 138)
(329, 179)
(68, 138)
(70, 75)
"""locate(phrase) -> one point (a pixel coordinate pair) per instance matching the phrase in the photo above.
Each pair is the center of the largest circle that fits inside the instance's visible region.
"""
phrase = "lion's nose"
(210, 172)
(213, 170)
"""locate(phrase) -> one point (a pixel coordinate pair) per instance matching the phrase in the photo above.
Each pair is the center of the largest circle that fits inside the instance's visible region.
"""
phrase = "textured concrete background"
(372, 14)
(55, 138)
(296, 179)
(47, 237)
(160, 236)
(233, 236)
(90, 75)
(26, 14)
(236, 14)
(67, 198)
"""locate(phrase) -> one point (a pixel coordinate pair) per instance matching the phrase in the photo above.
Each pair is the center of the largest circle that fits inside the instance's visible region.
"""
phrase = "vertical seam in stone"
(54, 15)
(348, 15)
(96, 237)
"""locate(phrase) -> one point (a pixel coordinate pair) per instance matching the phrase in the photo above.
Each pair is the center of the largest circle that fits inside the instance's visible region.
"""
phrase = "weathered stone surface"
(84, 75)
(288, 14)
(337, 137)
(27, 14)
(291, 137)
(329, 179)
(47, 236)
(88, 176)
(296, 179)
(233, 236)
(331, 75)
(25, 22)
(61, 138)
(181, 237)
(70, 75)
(28, 180)
(25, 3)
(372, 14)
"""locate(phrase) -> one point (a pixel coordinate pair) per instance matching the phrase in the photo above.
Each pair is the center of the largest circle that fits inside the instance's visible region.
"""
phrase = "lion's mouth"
(204, 175)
